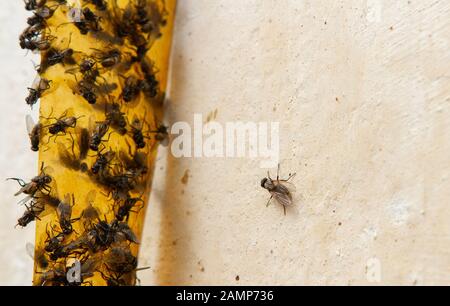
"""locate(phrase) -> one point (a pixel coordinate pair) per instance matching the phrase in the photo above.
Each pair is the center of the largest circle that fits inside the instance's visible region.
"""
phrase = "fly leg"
(18, 180)
(290, 177)
(73, 144)
(268, 202)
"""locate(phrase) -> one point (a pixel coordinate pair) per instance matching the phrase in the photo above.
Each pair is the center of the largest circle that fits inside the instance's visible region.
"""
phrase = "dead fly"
(54, 245)
(54, 242)
(32, 5)
(122, 232)
(142, 14)
(88, 88)
(38, 256)
(162, 134)
(102, 161)
(131, 89)
(141, 44)
(58, 275)
(119, 184)
(97, 133)
(153, 19)
(88, 69)
(62, 123)
(87, 91)
(150, 84)
(54, 277)
(87, 65)
(64, 212)
(108, 58)
(40, 15)
(279, 189)
(32, 212)
(34, 133)
(87, 21)
(137, 134)
(38, 183)
(136, 164)
(34, 39)
(126, 207)
(116, 118)
(100, 5)
(120, 260)
(122, 20)
(101, 235)
(29, 34)
(36, 91)
(88, 267)
(54, 56)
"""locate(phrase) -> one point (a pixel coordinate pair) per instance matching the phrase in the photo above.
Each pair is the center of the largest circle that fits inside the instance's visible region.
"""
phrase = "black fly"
(38, 183)
(137, 134)
(34, 133)
(116, 118)
(62, 123)
(36, 90)
(279, 189)
(97, 133)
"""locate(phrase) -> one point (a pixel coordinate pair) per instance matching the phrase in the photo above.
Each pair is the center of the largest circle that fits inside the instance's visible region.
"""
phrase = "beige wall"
(362, 92)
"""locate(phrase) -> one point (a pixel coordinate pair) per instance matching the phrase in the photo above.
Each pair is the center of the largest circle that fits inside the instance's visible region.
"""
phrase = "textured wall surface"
(362, 92)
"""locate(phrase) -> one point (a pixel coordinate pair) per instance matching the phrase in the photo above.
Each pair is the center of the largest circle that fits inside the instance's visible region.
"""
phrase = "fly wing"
(39, 208)
(90, 266)
(36, 82)
(83, 143)
(30, 124)
(282, 195)
(290, 186)
(23, 189)
(128, 232)
(30, 250)
(64, 209)
(90, 213)
(90, 198)
(25, 200)
(73, 85)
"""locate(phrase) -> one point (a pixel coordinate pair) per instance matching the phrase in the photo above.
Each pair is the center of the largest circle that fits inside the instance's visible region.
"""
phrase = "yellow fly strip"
(89, 187)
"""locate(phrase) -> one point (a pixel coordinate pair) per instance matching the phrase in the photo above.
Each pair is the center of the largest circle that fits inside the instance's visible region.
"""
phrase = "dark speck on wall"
(185, 178)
